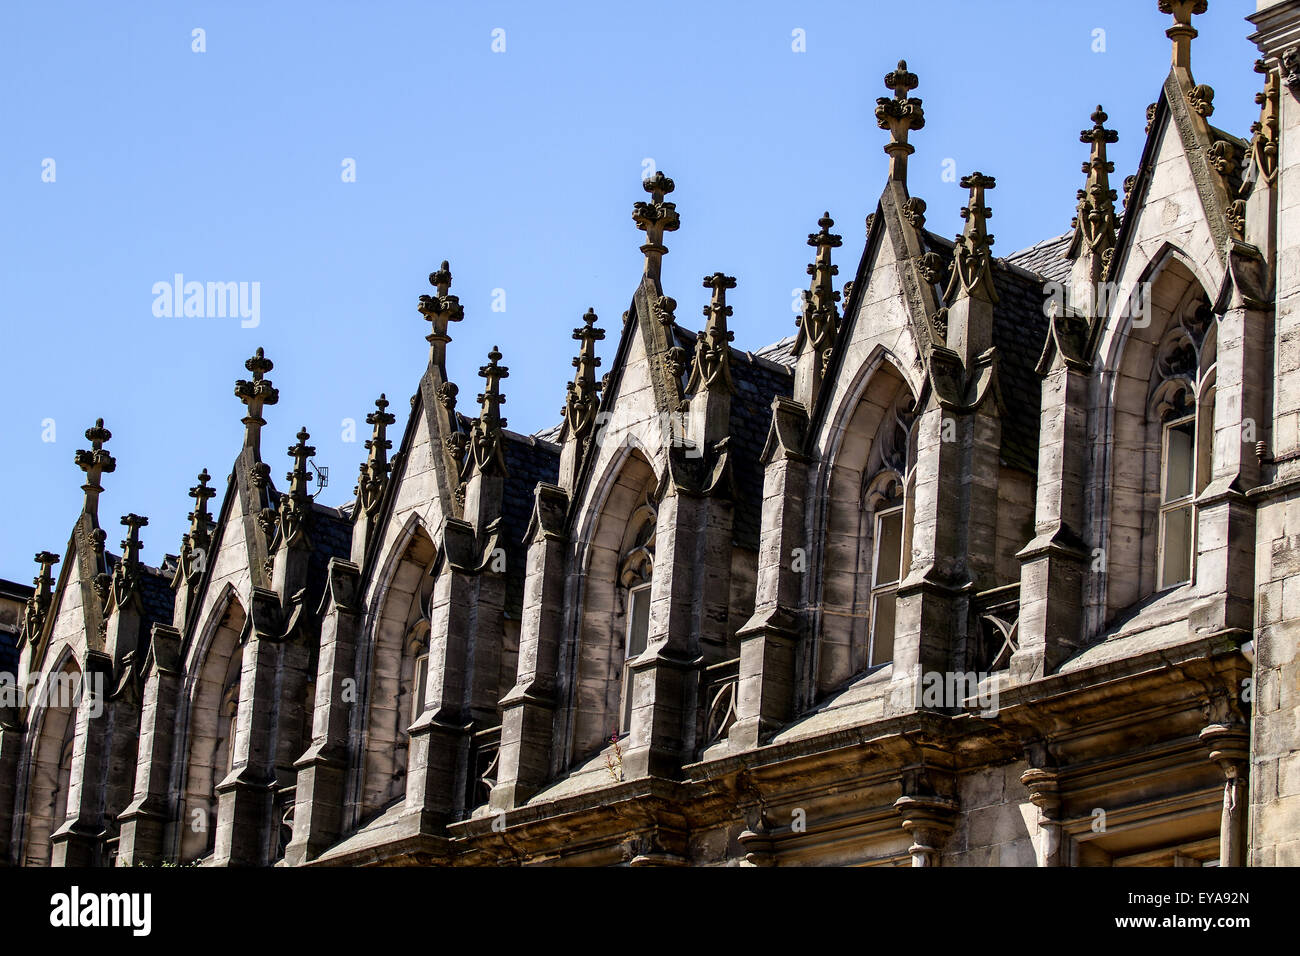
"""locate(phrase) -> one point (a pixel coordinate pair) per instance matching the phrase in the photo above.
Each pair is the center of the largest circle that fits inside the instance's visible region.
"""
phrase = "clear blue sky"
(520, 167)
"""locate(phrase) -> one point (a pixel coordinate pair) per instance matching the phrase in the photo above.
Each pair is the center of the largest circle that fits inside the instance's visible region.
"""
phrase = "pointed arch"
(48, 759)
(862, 524)
(389, 684)
(1157, 411)
(616, 558)
(209, 719)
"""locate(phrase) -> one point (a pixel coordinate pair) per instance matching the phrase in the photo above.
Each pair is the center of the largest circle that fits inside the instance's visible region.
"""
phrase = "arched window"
(635, 572)
(613, 626)
(884, 507)
(51, 772)
(212, 720)
(420, 672)
(396, 676)
(867, 545)
(1182, 407)
(229, 724)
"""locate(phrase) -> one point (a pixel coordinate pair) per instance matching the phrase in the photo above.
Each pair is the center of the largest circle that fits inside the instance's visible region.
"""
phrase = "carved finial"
(712, 365)
(39, 603)
(1182, 32)
(95, 462)
(486, 454)
(440, 311)
(654, 219)
(1264, 142)
(256, 394)
(127, 571)
(820, 318)
(295, 505)
(899, 115)
(971, 256)
(196, 541)
(373, 481)
(1095, 222)
(582, 400)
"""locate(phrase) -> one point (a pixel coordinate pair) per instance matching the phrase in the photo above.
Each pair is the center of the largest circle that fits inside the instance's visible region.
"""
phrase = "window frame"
(889, 588)
(1185, 503)
(419, 683)
(635, 595)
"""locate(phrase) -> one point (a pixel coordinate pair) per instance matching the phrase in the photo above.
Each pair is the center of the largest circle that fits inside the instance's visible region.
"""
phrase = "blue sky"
(520, 167)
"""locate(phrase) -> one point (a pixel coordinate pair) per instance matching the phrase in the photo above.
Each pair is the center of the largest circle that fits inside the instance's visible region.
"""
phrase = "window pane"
(882, 628)
(889, 547)
(626, 723)
(419, 686)
(638, 626)
(1177, 543)
(1178, 460)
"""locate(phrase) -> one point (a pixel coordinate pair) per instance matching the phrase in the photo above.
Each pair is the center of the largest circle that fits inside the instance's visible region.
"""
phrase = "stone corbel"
(757, 843)
(928, 808)
(1246, 281)
(265, 616)
(1290, 63)
(1069, 334)
(1042, 780)
(1227, 739)
(787, 435)
(948, 378)
(460, 546)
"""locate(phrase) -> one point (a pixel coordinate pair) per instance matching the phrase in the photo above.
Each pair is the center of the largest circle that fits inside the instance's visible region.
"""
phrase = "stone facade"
(995, 562)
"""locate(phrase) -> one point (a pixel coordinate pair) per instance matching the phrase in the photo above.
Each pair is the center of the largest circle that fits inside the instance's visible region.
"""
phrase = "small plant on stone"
(614, 759)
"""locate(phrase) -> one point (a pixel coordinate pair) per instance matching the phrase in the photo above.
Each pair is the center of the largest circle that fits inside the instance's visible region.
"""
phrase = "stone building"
(995, 562)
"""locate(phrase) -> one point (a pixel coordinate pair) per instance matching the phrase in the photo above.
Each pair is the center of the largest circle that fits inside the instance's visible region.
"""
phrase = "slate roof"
(331, 537)
(156, 595)
(8, 638)
(758, 379)
(1019, 333)
(529, 460)
(8, 652)
(1046, 258)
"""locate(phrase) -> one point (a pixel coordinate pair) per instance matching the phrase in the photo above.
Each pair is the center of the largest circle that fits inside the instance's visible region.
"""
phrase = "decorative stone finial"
(440, 311)
(972, 255)
(712, 365)
(1095, 223)
(373, 481)
(900, 114)
(256, 394)
(295, 505)
(127, 571)
(38, 605)
(95, 462)
(582, 399)
(1264, 142)
(1182, 32)
(654, 218)
(196, 542)
(485, 452)
(820, 318)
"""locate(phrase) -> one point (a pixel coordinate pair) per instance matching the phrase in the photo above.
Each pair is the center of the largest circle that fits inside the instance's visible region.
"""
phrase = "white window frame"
(419, 684)
(1185, 503)
(635, 595)
(888, 588)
